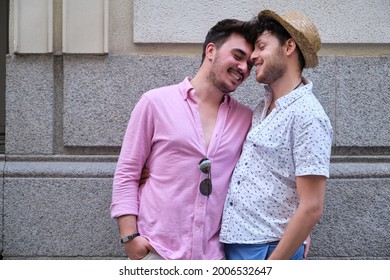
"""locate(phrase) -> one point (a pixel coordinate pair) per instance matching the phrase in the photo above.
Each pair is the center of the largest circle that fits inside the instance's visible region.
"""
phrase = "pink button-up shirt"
(165, 134)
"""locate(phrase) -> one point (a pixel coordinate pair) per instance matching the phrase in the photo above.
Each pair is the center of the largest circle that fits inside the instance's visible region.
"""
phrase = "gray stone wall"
(66, 116)
(2, 164)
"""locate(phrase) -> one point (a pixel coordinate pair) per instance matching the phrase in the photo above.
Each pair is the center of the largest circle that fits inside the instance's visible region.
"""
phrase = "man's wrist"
(129, 237)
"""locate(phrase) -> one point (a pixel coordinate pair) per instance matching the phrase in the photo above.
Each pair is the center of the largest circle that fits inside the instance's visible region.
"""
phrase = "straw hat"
(303, 31)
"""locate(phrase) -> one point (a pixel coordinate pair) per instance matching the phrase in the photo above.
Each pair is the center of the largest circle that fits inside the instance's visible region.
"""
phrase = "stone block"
(101, 91)
(59, 218)
(60, 210)
(362, 101)
(30, 105)
(355, 224)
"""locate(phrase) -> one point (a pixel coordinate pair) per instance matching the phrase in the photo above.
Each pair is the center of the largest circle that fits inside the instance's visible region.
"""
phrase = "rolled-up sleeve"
(135, 151)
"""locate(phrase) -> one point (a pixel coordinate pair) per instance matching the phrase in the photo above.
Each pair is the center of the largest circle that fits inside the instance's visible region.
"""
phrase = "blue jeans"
(256, 251)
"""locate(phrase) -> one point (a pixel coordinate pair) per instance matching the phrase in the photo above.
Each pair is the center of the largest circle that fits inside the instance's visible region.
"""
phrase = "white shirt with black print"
(295, 139)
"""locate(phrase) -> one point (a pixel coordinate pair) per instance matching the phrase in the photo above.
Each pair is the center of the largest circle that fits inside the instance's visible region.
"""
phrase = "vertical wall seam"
(336, 83)
(58, 91)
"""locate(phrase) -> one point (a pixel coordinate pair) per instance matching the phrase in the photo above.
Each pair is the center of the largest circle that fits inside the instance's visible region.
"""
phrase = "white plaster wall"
(85, 26)
(187, 21)
(33, 29)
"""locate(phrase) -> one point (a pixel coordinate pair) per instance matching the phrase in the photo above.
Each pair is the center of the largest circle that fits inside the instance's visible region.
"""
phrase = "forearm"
(138, 247)
(296, 232)
(311, 191)
(127, 225)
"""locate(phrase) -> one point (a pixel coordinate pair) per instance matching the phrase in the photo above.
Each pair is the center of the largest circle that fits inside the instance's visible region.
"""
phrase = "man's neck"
(285, 85)
(205, 91)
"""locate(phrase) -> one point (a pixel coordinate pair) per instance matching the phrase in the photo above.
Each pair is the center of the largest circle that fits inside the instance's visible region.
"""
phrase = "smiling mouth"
(257, 67)
(236, 75)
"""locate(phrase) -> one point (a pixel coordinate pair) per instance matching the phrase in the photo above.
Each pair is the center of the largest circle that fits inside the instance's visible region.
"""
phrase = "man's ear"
(210, 51)
(290, 46)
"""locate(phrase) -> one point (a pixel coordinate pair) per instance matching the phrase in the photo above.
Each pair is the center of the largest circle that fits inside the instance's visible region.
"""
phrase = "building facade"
(74, 70)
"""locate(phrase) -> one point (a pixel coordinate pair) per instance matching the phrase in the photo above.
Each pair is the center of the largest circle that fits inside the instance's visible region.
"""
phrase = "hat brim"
(310, 56)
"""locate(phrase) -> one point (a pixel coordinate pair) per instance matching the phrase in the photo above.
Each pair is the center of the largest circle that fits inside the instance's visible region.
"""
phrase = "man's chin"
(232, 89)
(258, 79)
(229, 88)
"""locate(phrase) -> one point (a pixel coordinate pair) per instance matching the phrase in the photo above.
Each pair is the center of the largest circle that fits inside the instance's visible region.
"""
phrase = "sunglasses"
(205, 186)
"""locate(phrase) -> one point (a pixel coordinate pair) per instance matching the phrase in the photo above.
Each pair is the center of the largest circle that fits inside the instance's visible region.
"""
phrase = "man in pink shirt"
(189, 136)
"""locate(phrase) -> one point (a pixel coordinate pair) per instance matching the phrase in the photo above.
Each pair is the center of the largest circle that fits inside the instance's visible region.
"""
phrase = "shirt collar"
(291, 97)
(187, 91)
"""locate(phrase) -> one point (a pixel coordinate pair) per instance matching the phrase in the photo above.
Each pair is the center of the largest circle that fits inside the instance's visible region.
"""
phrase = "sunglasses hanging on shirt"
(205, 186)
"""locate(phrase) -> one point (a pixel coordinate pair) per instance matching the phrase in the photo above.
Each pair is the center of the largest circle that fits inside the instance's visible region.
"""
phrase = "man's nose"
(244, 67)
(253, 57)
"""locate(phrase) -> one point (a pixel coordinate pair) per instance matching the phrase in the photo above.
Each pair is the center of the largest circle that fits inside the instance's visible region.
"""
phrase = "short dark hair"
(219, 33)
(266, 23)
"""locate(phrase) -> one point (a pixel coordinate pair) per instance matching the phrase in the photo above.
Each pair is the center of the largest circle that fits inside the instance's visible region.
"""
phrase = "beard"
(273, 70)
(216, 68)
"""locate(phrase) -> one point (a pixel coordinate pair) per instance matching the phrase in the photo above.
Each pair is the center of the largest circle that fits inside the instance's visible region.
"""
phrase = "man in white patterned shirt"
(277, 191)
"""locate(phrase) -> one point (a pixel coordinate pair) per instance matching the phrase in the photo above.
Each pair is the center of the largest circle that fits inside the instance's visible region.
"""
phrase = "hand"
(144, 176)
(138, 248)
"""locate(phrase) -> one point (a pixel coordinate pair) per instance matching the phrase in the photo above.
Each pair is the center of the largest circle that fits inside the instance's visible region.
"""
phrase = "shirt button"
(201, 204)
(231, 203)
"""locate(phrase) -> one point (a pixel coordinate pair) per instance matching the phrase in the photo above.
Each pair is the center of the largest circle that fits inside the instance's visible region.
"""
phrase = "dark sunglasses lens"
(205, 187)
